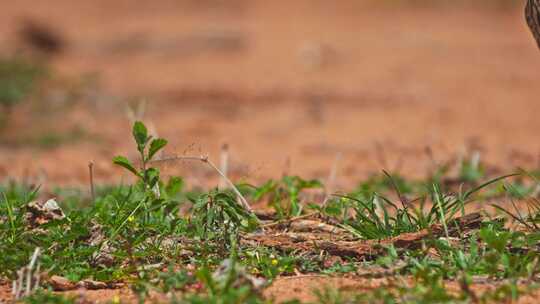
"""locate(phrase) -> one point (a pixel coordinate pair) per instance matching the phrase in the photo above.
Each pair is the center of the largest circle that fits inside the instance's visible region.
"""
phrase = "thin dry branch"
(330, 182)
(205, 159)
(23, 286)
(292, 219)
(224, 165)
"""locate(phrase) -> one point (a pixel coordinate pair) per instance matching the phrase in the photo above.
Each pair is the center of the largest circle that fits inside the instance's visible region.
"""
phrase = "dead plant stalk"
(205, 159)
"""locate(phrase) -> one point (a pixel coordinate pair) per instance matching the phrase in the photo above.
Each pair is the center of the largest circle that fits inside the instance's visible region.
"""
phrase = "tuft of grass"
(45, 296)
(377, 217)
(285, 195)
(18, 79)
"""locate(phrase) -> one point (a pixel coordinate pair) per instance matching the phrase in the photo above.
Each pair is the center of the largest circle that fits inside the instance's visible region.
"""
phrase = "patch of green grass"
(285, 195)
(50, 139)
(376, 216)
(48, 297)
(18, 79)
(123, 228)
(155, 235)
(268, 263)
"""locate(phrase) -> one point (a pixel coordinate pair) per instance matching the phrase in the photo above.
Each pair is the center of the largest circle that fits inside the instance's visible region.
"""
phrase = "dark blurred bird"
(532, 14)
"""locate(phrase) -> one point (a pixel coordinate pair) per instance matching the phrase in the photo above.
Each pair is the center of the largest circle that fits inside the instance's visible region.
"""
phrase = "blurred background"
(288, 85)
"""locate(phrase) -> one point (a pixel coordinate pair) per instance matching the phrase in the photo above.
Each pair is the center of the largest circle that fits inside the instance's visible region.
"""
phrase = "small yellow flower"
(274, 262)
(116, 299)
(131, 218)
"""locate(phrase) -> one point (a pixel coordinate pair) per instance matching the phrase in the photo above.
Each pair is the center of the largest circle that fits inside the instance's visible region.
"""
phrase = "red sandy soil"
(303, 287)
(288, 85)
(281, 290)
(278, 81)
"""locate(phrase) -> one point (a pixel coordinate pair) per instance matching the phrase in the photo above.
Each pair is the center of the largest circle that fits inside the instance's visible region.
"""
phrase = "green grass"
(188, 235)
(18, 78)
(49, 139)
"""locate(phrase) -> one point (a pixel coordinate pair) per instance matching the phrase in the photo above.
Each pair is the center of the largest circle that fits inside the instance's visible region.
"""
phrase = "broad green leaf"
(140, 133)
(156, 145)
(124, 162)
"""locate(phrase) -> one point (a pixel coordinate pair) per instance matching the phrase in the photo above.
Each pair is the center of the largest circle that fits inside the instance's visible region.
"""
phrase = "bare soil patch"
(282, 84)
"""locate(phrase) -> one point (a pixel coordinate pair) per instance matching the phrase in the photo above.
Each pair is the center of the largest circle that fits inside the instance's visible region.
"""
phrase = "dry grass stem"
(91, 174)
(205, 159)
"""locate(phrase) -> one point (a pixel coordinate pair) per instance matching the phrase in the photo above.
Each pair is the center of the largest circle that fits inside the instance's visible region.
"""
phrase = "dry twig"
(224, 165)
(91, 174)
(27, 280)
(330, 182)
(205, 159)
